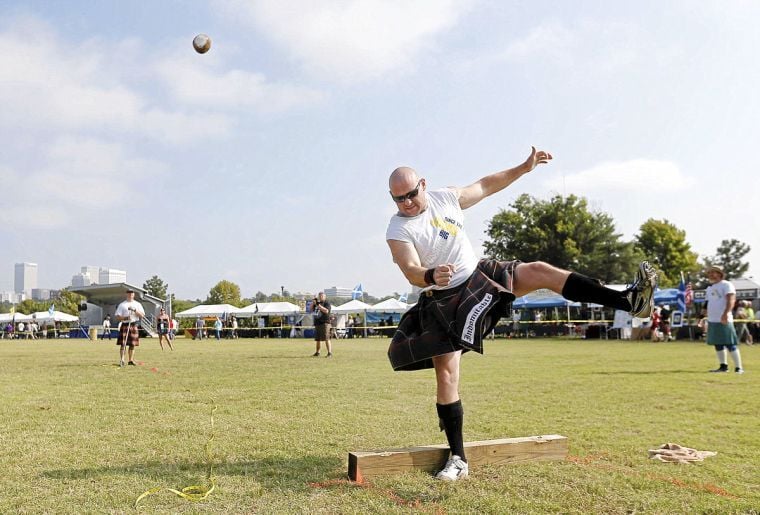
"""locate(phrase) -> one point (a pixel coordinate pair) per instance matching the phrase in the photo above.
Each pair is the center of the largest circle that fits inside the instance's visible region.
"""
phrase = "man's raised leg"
(637, 299)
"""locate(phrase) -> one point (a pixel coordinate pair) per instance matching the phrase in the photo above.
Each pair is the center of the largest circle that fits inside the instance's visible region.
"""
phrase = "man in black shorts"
(463, 297)
(322, 325)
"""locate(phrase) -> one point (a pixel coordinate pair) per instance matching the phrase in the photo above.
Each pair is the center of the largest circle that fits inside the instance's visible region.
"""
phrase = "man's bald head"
(408, 191)
(402, 177)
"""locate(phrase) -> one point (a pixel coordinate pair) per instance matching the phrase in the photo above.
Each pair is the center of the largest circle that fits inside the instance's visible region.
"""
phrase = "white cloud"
(588, 46)
(194, 83)
(75, 178)
(621, 177)
(350, 40)
(49, 83)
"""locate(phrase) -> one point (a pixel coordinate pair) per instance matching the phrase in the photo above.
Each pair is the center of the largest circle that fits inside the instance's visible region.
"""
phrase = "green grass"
(79, 435)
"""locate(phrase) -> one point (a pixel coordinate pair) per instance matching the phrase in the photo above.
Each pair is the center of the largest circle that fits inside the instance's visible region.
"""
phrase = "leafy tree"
(67, 302)
(729, 257)
(156, 287)
(563, 232)
(31, 306)
(225, 292)
(179, 305)
(665, 245)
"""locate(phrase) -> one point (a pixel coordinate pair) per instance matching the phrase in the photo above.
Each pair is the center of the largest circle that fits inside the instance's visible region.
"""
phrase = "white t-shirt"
(438, 236)
(716, 301)
(123, 310)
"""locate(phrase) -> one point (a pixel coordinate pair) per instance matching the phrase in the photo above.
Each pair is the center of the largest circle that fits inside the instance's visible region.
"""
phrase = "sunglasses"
(407, 196)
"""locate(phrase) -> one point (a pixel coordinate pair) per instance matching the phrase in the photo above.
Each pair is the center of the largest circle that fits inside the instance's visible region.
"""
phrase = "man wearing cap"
(462, 296)
(129, 313)
(720, 297)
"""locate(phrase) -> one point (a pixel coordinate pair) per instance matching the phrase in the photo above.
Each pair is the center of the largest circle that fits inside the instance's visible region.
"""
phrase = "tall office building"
(25, 278)
(81, 279)
(339, 292)
(111, 275)
(12, 297)
(98, 275)
(40, 294)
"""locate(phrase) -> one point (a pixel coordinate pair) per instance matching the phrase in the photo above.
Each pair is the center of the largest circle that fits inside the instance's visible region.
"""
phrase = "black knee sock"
(585, 289)
(451, 416)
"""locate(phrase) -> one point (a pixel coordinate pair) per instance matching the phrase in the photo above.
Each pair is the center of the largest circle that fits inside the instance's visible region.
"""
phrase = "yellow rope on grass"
(194, 493)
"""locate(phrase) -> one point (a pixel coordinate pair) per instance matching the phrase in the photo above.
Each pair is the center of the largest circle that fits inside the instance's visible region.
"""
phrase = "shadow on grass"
(287, 357)
(646, 372)
(279, 473)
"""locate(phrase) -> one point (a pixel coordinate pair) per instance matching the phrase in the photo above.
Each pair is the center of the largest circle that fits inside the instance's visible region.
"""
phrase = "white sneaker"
(641, 292)
(456, 468)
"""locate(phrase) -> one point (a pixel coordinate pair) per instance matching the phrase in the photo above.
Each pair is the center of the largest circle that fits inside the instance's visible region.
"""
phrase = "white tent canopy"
(268, 309)
(57, 316)
(18, 317)
(389, 306)
(352, 306)
(208, 310)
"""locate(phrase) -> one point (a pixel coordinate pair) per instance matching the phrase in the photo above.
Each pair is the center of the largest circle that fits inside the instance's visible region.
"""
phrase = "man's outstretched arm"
(490, 184)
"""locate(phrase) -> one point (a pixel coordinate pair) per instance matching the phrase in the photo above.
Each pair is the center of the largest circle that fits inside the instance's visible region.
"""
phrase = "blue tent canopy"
(666, 296)
(543, 301)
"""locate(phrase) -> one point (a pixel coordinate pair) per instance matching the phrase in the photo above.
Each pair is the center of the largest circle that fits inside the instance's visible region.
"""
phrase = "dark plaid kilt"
(133, 340)
(446, 321)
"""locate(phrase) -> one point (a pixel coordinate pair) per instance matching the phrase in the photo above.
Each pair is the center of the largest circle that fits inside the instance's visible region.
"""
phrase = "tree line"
(563, 231)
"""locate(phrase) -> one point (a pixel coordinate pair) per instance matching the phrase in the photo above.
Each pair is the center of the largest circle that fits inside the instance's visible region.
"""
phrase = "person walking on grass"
(720, 297)
(462, 297)
(129, 313)
(162, 328)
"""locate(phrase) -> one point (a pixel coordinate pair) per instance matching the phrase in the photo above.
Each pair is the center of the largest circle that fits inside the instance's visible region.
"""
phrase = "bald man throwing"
(463, 297)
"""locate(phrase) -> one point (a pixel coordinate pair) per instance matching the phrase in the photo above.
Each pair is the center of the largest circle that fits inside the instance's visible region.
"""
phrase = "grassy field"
(80, 435)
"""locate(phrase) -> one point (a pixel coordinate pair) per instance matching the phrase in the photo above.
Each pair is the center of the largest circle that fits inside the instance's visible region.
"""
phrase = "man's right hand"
(443, 274)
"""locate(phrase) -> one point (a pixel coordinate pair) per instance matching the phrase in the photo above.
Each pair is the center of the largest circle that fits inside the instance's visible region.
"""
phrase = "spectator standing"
(234, 331)
(720, 297)
(743, 316)
(173, 328)
(654, 328)
(199, 327)
(665, 313)
(106, 328)
(322, 327)
(218, 328)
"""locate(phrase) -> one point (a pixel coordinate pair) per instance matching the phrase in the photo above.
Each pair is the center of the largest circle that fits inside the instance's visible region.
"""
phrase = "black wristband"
(429, 276)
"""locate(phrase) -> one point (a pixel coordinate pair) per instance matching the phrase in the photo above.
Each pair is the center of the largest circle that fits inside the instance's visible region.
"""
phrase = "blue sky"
(265, 161)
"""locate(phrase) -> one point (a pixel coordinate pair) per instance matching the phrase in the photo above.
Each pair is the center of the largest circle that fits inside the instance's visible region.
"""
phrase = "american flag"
(685, 294)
